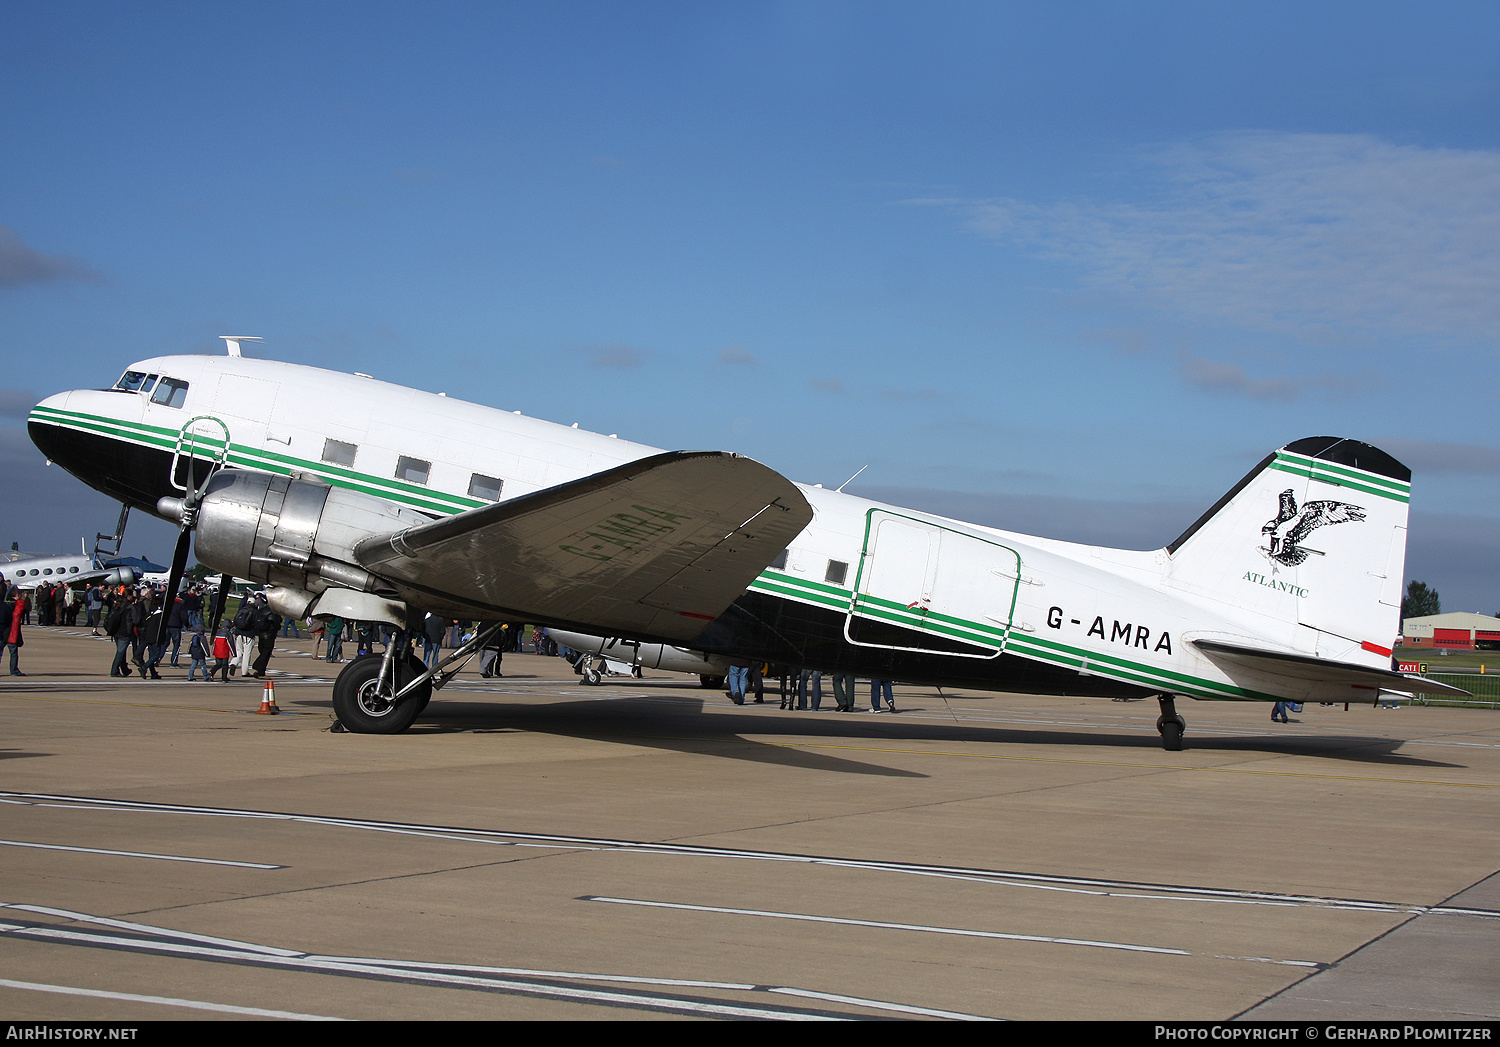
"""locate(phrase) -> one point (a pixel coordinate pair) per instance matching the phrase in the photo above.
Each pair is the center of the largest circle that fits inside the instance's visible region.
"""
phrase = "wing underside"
(654, 548)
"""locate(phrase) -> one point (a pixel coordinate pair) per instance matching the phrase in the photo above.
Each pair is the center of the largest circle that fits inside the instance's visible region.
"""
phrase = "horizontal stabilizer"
(1310, 670)
(657, 547)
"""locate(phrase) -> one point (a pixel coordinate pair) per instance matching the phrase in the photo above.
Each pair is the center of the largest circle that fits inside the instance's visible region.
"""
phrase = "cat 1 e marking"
(1126, 633)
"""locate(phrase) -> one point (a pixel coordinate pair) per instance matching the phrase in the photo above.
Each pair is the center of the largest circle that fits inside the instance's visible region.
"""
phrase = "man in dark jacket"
(267, 623)
(118, 627)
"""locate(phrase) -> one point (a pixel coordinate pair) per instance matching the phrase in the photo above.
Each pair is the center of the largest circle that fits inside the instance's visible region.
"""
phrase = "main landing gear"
(1170, 724)
(384, 693)
(366, 704)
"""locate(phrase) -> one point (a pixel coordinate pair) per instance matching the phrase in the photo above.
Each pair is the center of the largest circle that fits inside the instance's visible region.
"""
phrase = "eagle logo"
(1285, 533)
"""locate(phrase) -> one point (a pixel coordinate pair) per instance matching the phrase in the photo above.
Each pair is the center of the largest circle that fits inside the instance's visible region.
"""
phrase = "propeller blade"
(179, 562)
(223, 594)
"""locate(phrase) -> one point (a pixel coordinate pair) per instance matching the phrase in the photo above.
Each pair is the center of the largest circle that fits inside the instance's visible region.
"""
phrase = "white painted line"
(146, 928)
(395, 969)
(997, 877)
(168, 1001)
(881, 925)
(139, 854)
(881, 1005)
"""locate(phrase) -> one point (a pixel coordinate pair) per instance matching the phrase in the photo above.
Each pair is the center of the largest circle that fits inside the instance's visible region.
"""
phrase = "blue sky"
(1066, 268)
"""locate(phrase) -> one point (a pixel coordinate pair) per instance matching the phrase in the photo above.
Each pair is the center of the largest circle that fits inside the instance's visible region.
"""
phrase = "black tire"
(713, 683)
(362, 711)
(1171, 736)
(592, 677)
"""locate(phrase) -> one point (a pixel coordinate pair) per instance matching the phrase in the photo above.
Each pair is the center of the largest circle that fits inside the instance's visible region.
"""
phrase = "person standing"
(94, 601)
(198, 655)
(176, 622)
(333, 632)
(433, 629)
(493, 651)
(267, 624)
(10, 627)
(117, 627)
(877, 688)
(223, 652)
(244, 637)
(739, 676)
(192, 603)
(843, 692)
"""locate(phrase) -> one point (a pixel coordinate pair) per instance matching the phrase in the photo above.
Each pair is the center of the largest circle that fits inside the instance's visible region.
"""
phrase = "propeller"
(185, 509)
(174, 579)
(223, 594)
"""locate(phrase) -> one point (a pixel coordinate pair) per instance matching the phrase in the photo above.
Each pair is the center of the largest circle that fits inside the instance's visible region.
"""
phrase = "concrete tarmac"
(537, 848)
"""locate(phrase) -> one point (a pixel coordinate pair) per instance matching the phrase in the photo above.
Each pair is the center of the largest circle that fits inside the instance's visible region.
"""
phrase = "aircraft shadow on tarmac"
(687, 724)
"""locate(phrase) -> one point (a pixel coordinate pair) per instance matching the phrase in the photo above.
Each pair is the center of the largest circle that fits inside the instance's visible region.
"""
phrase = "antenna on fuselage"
(233, 341)
(851, 479)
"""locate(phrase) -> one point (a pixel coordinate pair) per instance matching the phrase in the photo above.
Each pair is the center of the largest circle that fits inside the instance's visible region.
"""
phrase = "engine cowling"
(118, 576)
(296, 534)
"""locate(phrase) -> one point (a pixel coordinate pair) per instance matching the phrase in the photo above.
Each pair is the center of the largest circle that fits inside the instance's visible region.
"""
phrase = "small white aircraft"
(27, 572)
(353, 497)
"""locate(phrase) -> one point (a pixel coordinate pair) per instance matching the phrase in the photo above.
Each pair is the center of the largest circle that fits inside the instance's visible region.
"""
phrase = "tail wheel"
(364, 707)
(1171, 733)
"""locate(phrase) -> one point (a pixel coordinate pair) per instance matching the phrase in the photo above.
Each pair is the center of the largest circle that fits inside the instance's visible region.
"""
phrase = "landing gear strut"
(378, 694)
(1170, 724)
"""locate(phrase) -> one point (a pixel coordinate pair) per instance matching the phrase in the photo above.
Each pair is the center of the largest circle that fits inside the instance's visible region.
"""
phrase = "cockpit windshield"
(131, 381)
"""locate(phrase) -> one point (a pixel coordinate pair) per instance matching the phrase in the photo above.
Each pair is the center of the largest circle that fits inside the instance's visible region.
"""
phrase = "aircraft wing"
(1322, 671)
(657, 547)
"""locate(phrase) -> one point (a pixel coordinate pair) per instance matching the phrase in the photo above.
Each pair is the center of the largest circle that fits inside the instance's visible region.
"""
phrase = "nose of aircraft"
(42, 425)
(55, 402)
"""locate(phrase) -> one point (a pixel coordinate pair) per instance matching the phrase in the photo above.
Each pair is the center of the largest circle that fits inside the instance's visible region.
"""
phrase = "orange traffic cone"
(268, 701)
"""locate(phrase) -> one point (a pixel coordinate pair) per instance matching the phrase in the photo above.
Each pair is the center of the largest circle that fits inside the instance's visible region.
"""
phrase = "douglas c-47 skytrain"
(353, 497)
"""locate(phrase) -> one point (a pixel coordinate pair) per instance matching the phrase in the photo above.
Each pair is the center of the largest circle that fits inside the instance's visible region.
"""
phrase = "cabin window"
(486, 487)
(780, 562)
(170, 392)
(337, 452)
(412, 470)
(130, 381)
(837, 570)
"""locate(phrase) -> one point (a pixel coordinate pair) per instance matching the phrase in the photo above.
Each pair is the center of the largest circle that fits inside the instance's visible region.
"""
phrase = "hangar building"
(1456, 631)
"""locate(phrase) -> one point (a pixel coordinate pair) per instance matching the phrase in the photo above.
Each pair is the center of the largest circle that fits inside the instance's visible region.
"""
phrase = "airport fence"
(1485, 687)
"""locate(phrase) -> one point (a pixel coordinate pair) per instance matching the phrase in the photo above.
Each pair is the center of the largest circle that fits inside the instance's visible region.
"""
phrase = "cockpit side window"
(170, 392)
(130, 381)
(148, 383)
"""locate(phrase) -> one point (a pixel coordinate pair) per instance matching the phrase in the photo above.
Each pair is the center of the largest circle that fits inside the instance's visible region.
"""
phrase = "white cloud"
(1221, 376)
(1290, 234)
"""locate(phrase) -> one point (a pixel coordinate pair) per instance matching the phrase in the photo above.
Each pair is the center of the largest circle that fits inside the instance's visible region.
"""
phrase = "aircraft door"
(923, 587)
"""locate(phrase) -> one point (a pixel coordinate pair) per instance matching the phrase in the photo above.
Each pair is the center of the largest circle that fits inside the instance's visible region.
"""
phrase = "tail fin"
(1314, 539)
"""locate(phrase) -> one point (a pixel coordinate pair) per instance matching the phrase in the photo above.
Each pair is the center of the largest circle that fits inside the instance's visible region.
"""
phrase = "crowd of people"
(243, 643)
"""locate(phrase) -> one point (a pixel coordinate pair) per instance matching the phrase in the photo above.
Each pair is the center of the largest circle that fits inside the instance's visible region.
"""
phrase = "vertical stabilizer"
(1314, 538)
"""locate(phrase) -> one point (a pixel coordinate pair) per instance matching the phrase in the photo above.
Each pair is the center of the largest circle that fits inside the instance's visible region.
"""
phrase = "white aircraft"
(350, 496)
(27, 572)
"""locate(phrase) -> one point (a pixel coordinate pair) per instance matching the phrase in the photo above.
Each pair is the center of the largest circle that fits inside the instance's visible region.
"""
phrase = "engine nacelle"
(118, 576)
(293, 533)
